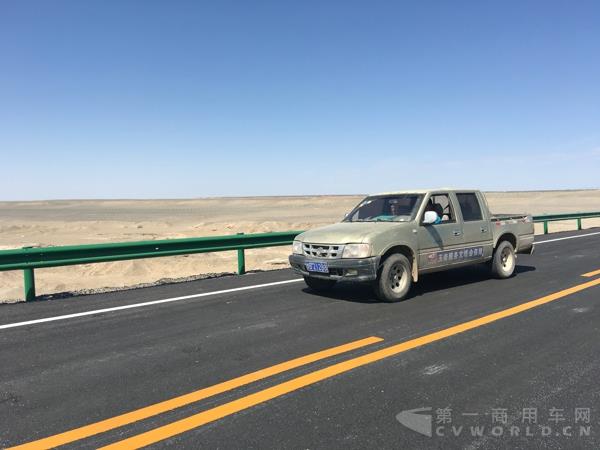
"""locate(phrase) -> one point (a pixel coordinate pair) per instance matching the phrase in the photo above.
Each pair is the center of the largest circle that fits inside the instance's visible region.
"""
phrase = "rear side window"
(469, 205)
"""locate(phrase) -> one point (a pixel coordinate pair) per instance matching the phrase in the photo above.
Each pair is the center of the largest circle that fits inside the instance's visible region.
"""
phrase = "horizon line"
(124, 199)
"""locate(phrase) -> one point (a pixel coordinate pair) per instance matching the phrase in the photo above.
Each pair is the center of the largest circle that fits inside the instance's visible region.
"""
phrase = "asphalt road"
(476, 385)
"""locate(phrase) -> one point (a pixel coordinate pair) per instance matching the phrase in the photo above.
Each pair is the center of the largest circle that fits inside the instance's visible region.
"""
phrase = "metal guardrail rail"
(578, 216)
(30, 258)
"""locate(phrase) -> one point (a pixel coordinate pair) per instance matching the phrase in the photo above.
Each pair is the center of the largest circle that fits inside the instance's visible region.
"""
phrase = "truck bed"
(519, 225)
(499, 217)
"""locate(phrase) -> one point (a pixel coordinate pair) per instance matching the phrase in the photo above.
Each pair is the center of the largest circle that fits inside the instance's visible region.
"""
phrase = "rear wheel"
(318, 284)
(395, 279)
(504, 260)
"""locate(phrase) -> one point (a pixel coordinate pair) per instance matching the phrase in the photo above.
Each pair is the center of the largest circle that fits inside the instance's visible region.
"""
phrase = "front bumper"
(348, 269)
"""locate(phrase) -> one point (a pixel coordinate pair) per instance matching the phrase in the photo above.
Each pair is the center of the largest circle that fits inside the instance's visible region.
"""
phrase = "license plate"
(317, 267)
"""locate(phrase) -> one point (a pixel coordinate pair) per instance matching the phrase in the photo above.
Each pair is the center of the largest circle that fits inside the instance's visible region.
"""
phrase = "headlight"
(297, 248)
(357, 251)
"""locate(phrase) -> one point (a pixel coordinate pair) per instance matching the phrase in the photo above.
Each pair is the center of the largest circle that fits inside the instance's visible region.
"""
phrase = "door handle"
(483, 230)
(456, 233)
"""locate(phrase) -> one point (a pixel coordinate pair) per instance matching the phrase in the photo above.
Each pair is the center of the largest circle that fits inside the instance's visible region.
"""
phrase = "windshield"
(386, 208)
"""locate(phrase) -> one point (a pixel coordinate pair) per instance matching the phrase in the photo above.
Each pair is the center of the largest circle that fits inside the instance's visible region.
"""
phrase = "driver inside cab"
(436, 209)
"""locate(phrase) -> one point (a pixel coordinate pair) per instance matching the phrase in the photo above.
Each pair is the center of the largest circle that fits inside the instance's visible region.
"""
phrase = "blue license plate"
(317, 267)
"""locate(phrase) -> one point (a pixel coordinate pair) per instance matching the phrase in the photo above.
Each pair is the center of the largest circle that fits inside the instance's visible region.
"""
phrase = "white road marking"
(204, 294)
(432, 370)
(139, 305)
(568, 237)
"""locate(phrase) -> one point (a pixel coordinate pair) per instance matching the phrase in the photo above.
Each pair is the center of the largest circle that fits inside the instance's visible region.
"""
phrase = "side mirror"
(430, 217)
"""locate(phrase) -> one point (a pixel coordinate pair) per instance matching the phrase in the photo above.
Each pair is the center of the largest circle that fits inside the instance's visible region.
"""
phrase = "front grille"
(328, 251)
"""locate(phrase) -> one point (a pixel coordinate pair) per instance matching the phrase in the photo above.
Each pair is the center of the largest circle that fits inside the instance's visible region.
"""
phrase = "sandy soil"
(46, 223)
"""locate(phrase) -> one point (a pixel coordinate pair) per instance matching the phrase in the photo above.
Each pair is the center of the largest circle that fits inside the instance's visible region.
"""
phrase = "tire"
(318, 284)
(395, 278)
(504, 260)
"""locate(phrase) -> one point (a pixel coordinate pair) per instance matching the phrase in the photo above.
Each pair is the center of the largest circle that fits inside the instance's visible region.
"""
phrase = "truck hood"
(347, 232)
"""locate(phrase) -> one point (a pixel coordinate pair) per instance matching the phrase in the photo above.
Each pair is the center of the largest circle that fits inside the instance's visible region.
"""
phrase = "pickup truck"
(390, 239)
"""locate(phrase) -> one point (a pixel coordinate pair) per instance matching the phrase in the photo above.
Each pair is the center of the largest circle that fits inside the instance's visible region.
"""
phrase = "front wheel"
(318, 284)
(504, 260)
(395, 279)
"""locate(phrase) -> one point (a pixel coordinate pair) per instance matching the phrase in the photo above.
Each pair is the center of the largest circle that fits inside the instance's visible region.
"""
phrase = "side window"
(469, 206)
(440, 203)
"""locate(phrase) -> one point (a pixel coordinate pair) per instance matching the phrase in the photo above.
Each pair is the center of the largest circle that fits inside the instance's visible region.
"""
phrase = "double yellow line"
(248, 401)
(591, 274)
(183, 400)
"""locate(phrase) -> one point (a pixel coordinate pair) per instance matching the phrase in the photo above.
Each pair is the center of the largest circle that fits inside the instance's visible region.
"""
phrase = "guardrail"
(30, 258)
(579, 216)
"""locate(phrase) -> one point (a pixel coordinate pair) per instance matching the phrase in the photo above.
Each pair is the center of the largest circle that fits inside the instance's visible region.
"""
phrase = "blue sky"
(146, 99)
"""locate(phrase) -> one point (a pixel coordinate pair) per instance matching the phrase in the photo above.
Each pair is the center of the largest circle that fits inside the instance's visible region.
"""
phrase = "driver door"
(440, 244)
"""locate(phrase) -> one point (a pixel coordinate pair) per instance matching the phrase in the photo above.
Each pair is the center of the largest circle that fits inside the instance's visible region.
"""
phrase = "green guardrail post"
(29, 284)
(545, 227)
(241, 261)
(579, 223)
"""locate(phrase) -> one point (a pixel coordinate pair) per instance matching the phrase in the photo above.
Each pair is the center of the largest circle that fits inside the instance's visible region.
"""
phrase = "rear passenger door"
(476, 226)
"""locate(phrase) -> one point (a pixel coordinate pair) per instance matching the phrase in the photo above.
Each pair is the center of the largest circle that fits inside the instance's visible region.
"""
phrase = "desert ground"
(61, 222)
